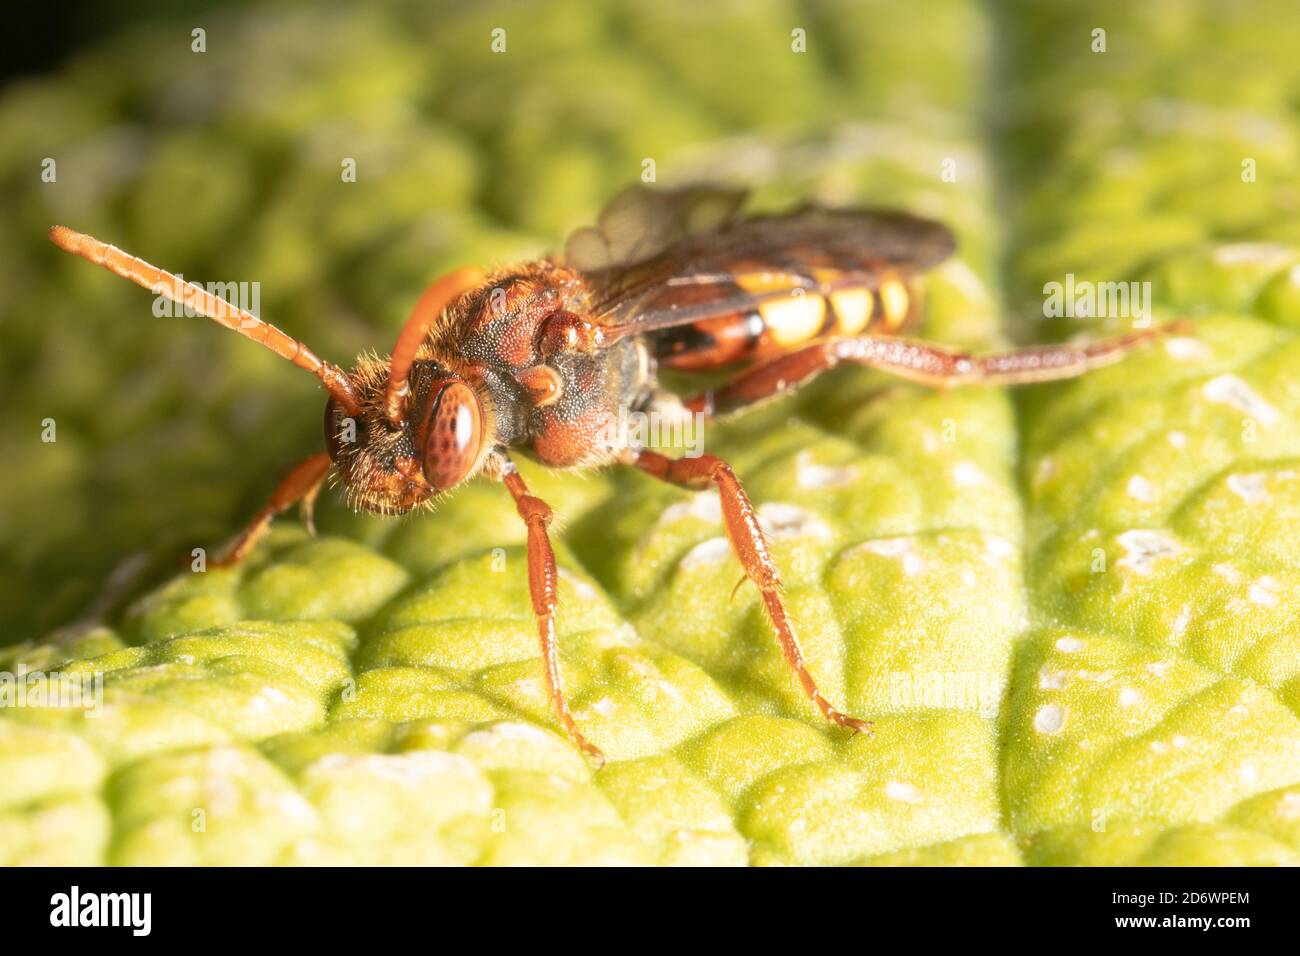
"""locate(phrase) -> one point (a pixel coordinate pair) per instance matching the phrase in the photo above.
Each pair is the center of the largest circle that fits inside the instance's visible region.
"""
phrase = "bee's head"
(394, 444)
(442, 441)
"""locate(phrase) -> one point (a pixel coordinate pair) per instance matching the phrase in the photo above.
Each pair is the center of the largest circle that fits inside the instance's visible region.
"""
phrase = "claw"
(595, 753)
(858, 726)
(308, 511)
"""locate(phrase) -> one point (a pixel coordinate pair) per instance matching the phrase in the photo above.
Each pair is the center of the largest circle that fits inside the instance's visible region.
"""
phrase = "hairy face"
(441, 443)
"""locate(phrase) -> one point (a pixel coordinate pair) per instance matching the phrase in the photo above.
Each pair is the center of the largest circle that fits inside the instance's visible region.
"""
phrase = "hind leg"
(921, 362)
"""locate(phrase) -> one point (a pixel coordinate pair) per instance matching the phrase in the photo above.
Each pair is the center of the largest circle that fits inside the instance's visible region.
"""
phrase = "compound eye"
(451, 435)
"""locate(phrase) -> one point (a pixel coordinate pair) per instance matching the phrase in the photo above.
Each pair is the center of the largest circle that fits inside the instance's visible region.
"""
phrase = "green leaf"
(1070, 610)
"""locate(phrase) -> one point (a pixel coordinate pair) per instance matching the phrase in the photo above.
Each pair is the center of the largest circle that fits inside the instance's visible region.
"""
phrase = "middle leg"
(543, 586)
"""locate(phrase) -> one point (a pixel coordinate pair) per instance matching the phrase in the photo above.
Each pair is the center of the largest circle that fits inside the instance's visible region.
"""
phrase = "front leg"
(543, 585)
(300, 485)
(746, 536)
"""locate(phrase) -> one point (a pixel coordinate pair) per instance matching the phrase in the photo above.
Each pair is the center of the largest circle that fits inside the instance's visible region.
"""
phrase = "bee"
(539, 359)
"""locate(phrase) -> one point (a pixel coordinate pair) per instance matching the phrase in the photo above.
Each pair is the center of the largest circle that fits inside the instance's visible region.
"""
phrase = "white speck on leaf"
(903, 792)
(1044, 471)
(809, 474)
(1228, 572)
(1140, 489)
(1180, 623)
(511, 730)
(1159, 668)
(705, 506)
(1051, 679)
(669, 689)
(413, 770)
(1249, 488)
(969, 475)
(581, 585)
(1230, 390)
(1290, 806)
(784, 521)
(999, 549)
(711, 551)
(1186, 349)
(1264, 591)
(267, 699)
(288, 804)
(1146, 546)
(895, 548)
(1049, 719)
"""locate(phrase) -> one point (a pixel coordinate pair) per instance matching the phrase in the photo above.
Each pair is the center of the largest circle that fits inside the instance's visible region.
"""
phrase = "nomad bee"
(542, 358)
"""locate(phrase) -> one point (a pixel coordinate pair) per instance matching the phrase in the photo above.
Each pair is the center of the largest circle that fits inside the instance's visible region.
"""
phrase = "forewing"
(745, 262)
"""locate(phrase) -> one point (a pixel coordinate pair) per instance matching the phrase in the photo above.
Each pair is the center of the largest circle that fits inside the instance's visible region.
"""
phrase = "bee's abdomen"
(782, 324)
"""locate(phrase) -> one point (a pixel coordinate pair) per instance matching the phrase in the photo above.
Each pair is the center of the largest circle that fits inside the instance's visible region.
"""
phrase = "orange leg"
(543, 581)
(300, 485)
(747, 540)
(922, 362)
(440, 294)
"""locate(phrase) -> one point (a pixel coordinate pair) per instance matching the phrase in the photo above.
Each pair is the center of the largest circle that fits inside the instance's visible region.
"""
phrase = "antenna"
(214, 307)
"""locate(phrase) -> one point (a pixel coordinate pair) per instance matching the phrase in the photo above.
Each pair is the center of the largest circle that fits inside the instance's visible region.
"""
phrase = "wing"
(639, 223)
(673, 272)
